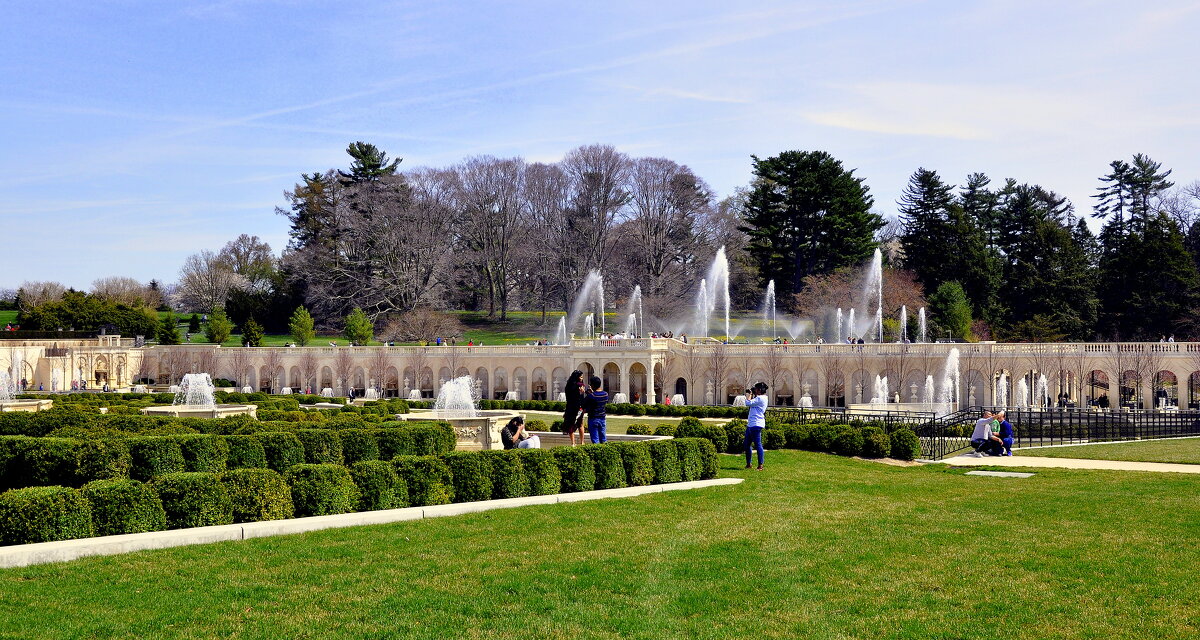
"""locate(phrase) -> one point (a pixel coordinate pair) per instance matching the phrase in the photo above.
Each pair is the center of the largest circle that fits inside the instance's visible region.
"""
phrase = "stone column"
(651, 398)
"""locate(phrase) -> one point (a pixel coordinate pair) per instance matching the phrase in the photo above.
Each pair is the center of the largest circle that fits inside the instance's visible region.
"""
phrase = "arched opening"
(1131, 384)
(326, 379)
(539, 386)
(481, 381)
(1097, 389)
(681, 390)
(611, 378)
(520, 383)
(835, 389)
(391, 384)
(500, 384)
(637, 383)
(295, 379)
(1166, 390)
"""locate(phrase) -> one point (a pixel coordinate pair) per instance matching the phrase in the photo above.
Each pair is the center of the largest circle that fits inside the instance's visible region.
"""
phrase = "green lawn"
(814, 547)
(1185, 450)
(7, 317)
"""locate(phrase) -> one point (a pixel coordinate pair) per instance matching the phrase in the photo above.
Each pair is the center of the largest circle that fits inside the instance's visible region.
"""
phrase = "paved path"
(1070, 463)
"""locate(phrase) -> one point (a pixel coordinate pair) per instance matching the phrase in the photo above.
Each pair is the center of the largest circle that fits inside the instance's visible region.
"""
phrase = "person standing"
(756, 421)
(572, 417)
(594, 403)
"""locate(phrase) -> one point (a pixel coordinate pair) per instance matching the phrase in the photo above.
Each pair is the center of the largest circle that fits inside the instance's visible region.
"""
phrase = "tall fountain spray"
(950, 381)
(457, 399)
(852, 328)
(1041, 392)
(588, 300)
(702, 309)
(927, 392)
(715, 290)
(600, 303)
(1022, 399)
(873, 292)
(8, 389)
(589, 325)
(921, 336)
(635, 307)
(839, 336)
(196, 390)
(769, 308)
(631, 326)
(903, 324)
(1002, 390)
(560, 334)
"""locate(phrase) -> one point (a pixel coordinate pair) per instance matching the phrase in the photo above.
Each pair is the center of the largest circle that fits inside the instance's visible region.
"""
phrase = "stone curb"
(65, 550)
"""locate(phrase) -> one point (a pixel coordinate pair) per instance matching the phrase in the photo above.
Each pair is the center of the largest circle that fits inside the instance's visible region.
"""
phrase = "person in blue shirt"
(756, 421)
(593, 404)
(1006, 432)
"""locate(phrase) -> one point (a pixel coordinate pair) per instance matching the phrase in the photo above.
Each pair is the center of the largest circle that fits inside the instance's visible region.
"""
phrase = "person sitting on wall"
(983, 440)
(514, 436)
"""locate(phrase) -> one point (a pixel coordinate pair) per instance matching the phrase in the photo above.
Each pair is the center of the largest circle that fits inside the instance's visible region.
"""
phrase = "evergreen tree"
(219, 327)
(301, 326)
(168, 330)
(368, 164)
(805, 214)
(980, 203)
(252, 334)
(194, 323)
(358, 329)
(951, 310)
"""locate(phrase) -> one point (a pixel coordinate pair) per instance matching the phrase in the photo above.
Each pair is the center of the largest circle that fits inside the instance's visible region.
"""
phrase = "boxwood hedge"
(578, 472)
(43, 514)
(427, 479)
(608, 466)
(379, 486)
(258, 494)
(542, 470)
(124, 506)
(471, 475)
(194, 499)
(322, 489)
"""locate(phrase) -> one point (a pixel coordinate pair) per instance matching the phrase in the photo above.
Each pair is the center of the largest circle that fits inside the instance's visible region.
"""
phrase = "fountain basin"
(202, 411)
(479, 432)
(25, 406)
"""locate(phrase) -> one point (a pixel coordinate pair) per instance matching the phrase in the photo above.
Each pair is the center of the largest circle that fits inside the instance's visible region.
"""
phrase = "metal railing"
(836, 415)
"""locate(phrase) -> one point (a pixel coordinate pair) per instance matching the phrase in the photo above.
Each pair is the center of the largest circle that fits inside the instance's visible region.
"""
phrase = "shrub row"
(616, 409)
(26, 461)
(200, 498)
(868, 441)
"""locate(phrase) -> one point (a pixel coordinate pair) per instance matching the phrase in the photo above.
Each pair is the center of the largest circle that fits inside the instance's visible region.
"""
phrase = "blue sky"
(136, 133)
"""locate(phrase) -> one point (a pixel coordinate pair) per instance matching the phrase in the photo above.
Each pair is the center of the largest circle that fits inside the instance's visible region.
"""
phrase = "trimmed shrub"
(258, 494)
(245, 452)
(609, 468)
(541, 469)
(321, 446)
(194, 499)
(470, 474)
(690, 422)
(282, 449)
(556, 426)
(432, 438)
(735, 431)
(709, 464)
(665, 430)
(848, 441)
(665, 456)
(394, 442)
(876, 443)
(204, 453)
(820, 437)
(575, 465)
(102, 459)
(693, 428)
(153, 456)
(640, 430)
(535, 425)
(43, 514)
(33, 462)
(905, 445)
(378, 485)
(358, 445)
(635, 458)
(321, 489)
(795, 435)
(508, 474)
(124, 506)
(427, 478)
(774, 438)
(691, 465)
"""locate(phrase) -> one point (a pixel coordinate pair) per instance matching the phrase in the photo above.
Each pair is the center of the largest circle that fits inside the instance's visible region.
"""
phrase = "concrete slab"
(317, 523)
(625, 492)
(1071, 463)
(1000, 474)
(460, 508)
(64, 550)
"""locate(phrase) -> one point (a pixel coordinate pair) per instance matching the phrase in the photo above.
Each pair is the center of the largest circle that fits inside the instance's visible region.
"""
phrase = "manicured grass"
(814, 547)
(7, 317)
(1184, 450)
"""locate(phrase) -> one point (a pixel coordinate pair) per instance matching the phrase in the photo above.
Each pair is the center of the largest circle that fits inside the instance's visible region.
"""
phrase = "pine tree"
(219, 327)
(806, 214)
(951, 310)
(301, 326)
(358, 329)
(252, 334)
(168, 330)
(194, 323)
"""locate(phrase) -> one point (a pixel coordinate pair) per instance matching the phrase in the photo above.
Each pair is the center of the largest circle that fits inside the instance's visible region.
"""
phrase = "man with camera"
(756, 421)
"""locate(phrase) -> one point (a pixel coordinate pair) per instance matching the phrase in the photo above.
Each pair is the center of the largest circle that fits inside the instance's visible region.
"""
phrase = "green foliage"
(608, 466)
(321, 446)
(665, 430)
(321, 489)
(905, 445)
(542, 471)
(359, 445)
(821, 437)
(535, 425)
(578, 472)
(301, 327)
(876, 443)
(219, 327)
(207, 453)
(252, 333)
(795, 435)
(168, 330)
(43, 514)
(691, 462)
(194, 499)
(471, 476)
(805, 214)
(639, 429)
(508, 474)
(665, 456)
(635, 457)
(282, 450)
(710, 464)
(194, 324)
(89, 312)
(358, 328)
(428, 479)
(245, 452)
(848, 441)
(124, 506)
(153, 456)
(378, 485)
(735, 432)
(951, 310)
(257, 495)
(102, 459)
(774, 438)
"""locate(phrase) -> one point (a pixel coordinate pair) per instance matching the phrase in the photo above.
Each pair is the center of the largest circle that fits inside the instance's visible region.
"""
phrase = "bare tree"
(126, 291)
(490, 197)
(419, 361)
(238, 361)
(546, 195)
(718, 368)
(693, 365)
(421, 325)
(308, 365)
(205, 281)
(666, 199)
(274, 362)
(206, 362)
(377, 366)
(773, 360)
(454, 360)
(35, 294)
(833, 370)
(598, 174)
(343, 366)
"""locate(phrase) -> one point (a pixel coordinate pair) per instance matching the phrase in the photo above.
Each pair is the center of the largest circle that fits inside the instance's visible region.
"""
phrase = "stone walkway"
(1070, 463)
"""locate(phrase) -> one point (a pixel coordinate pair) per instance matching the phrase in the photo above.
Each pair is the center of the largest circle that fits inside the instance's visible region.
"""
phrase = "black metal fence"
(888, 419)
